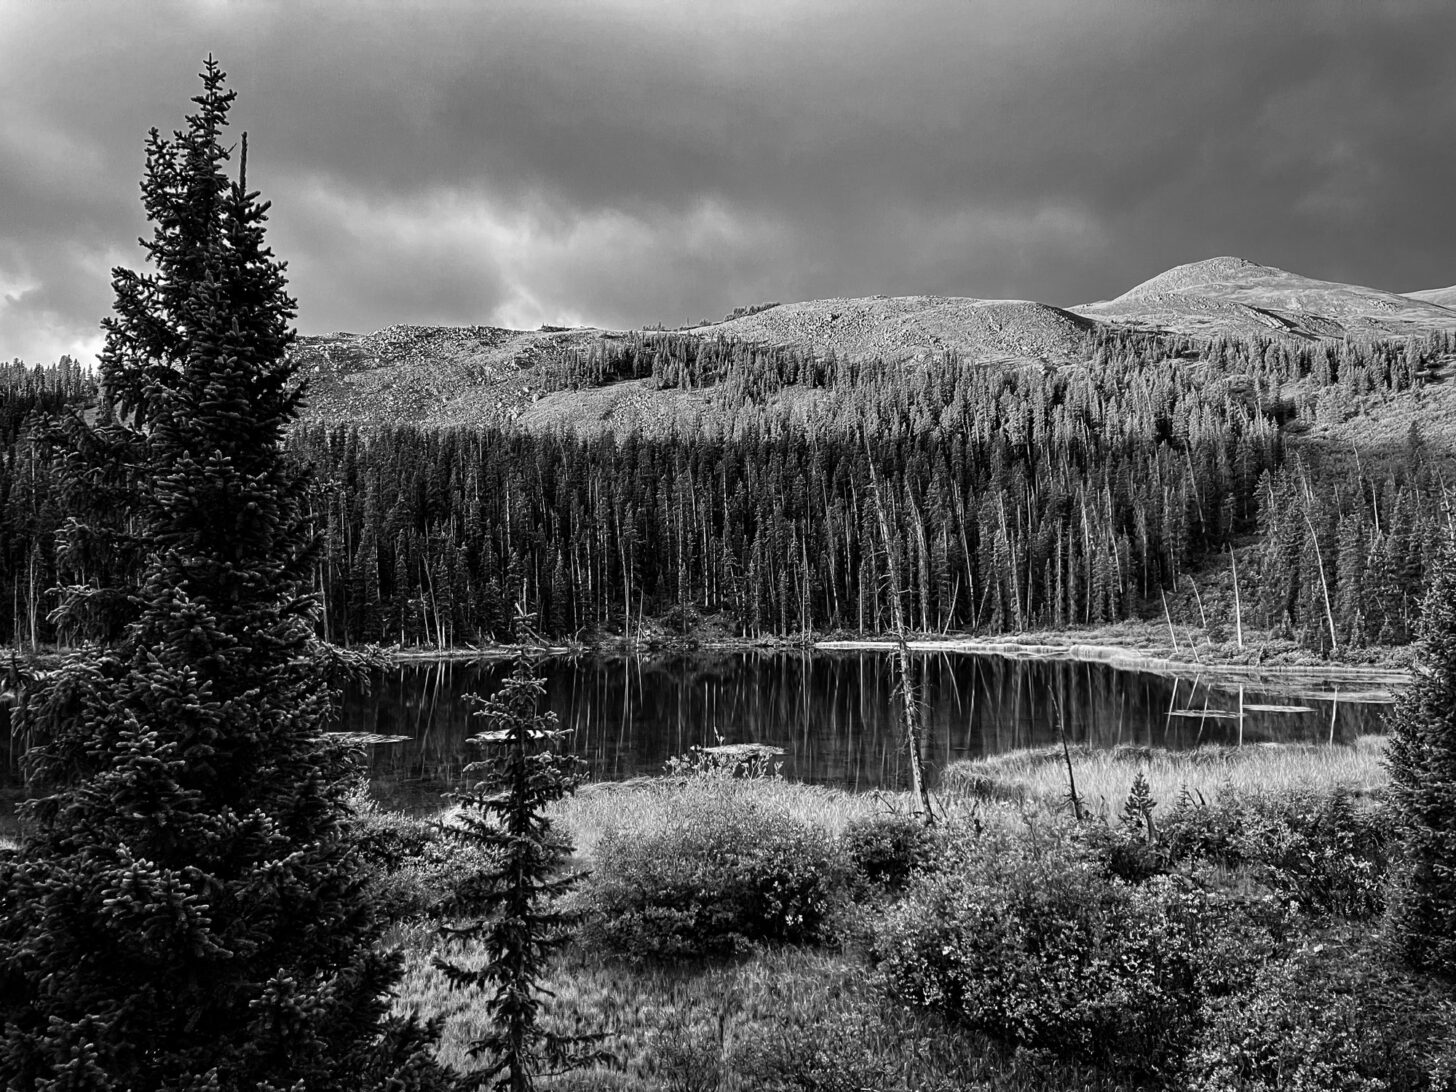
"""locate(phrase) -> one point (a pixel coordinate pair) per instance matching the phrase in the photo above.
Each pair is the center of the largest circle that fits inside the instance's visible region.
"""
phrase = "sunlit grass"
(654, 804)
(1104, 777)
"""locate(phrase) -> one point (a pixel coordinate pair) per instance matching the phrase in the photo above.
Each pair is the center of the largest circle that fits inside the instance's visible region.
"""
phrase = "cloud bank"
(620, 163)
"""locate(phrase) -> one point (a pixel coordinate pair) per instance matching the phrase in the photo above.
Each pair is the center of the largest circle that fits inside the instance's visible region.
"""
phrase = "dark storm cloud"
(621, 163)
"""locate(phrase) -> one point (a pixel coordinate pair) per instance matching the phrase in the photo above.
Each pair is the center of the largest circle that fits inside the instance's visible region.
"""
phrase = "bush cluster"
(886, 851)
(1029, 940)
(728, 870)
(1323, 853)
(1334, 1014)
(414, 867)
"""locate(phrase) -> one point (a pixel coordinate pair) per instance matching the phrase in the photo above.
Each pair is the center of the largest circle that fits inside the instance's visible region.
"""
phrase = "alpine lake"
(834, 715)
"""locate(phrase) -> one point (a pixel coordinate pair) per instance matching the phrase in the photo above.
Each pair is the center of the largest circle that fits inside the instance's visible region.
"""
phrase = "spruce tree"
(1422, 760)
(512, 911)
(186, 909)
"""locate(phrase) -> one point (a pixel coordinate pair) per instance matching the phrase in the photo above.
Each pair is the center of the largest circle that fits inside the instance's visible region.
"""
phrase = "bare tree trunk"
(920, 792)
(1238, 605)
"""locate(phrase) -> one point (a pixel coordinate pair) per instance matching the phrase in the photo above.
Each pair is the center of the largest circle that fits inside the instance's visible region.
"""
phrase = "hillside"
(485, 375)
(1052, 470)
(897, 327)
(426, 374)
(1443, 297)
(1237, 296)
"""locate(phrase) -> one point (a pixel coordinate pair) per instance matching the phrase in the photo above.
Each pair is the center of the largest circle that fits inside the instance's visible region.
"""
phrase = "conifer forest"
(1022, 496)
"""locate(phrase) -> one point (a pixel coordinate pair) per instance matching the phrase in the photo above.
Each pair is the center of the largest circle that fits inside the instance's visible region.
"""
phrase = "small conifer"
(1137, 809)
(513, 911)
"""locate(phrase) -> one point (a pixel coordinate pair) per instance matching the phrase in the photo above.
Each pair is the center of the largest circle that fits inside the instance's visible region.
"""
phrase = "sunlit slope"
(482, 374)
(1240, 297)
(1442, 297)
(426, 374)
(475, 374)
(897, 327)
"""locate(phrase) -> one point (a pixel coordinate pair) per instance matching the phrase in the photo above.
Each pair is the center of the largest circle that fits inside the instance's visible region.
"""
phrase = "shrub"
(1331, 1016)
(887, 850)
(1028, 940)
(682, 619)
(725, 869)
(413, 869)
(1319, 851)
(1323, 852)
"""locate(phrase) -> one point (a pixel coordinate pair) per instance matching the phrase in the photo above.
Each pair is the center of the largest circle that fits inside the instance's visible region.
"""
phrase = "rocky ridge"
(1235, 295)
(482, 374)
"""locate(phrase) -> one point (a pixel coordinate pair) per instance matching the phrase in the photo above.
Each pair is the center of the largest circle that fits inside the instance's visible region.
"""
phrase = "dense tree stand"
(186, 910)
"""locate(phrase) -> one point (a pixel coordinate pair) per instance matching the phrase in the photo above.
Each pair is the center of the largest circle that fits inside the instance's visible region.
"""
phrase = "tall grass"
(1105, 776)
(650, 805)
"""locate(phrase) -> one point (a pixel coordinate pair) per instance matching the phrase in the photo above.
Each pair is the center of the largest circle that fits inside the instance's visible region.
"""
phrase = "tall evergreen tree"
(1422, 761)
(186, 910)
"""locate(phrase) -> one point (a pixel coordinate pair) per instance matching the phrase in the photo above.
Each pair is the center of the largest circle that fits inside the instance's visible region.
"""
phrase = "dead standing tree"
(905, 668)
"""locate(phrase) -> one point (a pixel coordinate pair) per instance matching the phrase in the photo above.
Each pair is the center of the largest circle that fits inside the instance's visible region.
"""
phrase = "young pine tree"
(512, 911)
(186, 910)
(1422, 760)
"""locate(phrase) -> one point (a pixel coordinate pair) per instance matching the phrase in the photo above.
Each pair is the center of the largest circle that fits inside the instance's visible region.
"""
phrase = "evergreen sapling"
(513, 911)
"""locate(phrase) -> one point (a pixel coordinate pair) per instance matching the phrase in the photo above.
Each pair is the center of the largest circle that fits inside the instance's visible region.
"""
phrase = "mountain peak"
(1229, 295)
(1193, 275)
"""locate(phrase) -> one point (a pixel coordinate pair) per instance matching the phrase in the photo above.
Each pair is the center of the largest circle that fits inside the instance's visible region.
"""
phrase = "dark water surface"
(833, 713)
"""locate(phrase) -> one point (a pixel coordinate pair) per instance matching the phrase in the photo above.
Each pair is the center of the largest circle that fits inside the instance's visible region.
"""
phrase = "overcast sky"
(621, 162)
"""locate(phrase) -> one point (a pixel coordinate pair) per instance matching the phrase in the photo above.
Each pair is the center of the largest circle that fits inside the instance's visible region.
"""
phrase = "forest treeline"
(1023, 496)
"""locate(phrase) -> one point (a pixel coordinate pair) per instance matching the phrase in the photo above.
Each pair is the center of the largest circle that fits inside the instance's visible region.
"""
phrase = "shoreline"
(1135, 646)
(1125, 646)
(1286, 677)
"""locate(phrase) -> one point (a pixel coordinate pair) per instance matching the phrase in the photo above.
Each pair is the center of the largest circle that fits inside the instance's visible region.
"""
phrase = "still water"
(832, 713)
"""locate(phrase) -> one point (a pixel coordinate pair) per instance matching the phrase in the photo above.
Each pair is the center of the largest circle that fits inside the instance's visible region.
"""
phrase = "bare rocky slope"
(1443, 297)
(1237, 296)
(899, 327)
(482, 374)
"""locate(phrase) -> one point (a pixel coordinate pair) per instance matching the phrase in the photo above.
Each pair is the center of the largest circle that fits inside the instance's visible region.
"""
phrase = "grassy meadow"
(1104, 776)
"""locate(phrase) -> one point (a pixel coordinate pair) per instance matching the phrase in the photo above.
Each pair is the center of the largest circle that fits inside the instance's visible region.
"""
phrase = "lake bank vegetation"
(1213, 920)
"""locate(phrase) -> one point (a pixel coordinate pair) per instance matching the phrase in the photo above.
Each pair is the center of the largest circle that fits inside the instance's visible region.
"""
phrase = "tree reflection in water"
(833, 713)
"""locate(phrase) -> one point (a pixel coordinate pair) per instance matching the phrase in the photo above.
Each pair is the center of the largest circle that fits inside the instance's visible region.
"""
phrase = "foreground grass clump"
(1104, 776)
